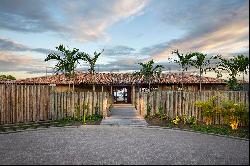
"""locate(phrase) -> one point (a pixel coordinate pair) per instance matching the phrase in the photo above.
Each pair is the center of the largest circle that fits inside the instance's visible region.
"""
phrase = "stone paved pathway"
(124, 114)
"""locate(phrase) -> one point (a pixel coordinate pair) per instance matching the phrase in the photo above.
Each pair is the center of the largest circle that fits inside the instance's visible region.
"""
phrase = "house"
(124, 85)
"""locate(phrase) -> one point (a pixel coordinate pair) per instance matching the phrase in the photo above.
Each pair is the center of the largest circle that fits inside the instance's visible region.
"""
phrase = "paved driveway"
(120, 145)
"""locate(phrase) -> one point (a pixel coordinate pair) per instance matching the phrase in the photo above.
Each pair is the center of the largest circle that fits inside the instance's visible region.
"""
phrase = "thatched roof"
(118, 79)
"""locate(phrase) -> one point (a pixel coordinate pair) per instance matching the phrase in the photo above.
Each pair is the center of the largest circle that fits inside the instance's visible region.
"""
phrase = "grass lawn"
(68, 121)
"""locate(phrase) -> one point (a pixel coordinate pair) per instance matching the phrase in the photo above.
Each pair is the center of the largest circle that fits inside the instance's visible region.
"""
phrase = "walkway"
(124, 114)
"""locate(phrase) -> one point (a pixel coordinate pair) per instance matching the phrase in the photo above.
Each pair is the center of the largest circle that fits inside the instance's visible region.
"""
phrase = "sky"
(129, 31)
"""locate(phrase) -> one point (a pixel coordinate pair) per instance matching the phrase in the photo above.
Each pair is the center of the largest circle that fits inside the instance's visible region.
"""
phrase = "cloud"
(118, 50)
(10, 45)
(11, 62)
(216, 27)
(81, 20)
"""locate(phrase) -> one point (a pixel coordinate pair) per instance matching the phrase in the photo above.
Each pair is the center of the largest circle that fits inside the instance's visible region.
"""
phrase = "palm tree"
(91, 61)
(148, 71)
(200, 62)
(67, 60)
(183, 61)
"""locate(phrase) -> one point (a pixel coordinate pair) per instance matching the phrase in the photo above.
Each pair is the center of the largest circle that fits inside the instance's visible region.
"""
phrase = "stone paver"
(117, 145)
(124, 114)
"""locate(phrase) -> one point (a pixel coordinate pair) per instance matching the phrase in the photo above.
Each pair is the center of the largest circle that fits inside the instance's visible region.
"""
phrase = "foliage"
(233, 66)
(149, 108)
(10, 77)
(161, 113)
(200, 62)
(85, 107)
(211, 129)
(232, 84)
(184, 62)
(176, 120)
(234, 113)
(183, 119)
(94, 117)
(77, 111)
(67, 60)
(208, 109)
(148, 71)
(92, 61)
(243, 63)
(191, 120)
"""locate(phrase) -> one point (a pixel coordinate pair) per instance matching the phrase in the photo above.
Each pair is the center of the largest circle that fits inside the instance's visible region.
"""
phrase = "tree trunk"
(74, 81)
(182, 80)
(182, 73)
(200, 78)
(243, 82)
(149, 87)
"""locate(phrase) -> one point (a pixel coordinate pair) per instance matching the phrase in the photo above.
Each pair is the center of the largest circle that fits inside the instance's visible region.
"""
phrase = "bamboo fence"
(178, 103)
(31, 103)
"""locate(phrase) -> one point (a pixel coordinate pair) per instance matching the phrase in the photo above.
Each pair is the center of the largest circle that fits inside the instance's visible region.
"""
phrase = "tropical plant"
(92, 62)
(208, 109)
(243, 65)
(10, 77)
(234, 113)
(85, 107)
(183, 61)
(200, 62)
(233, 66)
(147, 71)
(191, 120)
(77, 112)
(67, 60)
(184, 119)
(176, 120)
(149, 108)
(160, 114)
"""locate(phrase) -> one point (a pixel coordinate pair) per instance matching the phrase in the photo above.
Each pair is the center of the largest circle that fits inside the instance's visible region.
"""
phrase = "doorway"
(122, 94)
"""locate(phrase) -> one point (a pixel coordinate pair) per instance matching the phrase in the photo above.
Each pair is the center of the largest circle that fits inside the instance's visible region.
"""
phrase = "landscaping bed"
(242, 132)
(68, 121)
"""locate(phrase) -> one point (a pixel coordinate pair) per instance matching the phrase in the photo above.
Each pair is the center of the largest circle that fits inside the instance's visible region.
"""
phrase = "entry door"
(120, 95)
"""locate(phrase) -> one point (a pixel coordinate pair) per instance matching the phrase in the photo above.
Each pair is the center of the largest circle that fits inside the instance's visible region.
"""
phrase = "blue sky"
(129, 31)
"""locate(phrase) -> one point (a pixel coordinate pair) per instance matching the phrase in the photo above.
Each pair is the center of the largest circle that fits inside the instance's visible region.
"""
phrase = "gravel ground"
(120, 145)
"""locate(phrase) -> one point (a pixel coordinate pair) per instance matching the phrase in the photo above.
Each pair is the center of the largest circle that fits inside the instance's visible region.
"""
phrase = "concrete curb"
(226, 136)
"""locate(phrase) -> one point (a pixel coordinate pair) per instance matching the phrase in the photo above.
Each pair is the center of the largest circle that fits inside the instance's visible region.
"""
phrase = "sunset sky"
(129, 31)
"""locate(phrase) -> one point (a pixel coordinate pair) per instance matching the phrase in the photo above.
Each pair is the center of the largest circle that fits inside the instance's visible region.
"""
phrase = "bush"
(149, 108)
(208, 109)
(234, 113)
(176, 120)
(191, 120)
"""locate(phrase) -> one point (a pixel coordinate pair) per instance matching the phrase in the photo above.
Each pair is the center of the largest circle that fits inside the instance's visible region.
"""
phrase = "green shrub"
(208, 109)
(234, 113)
(191, 120)
(149, 108)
